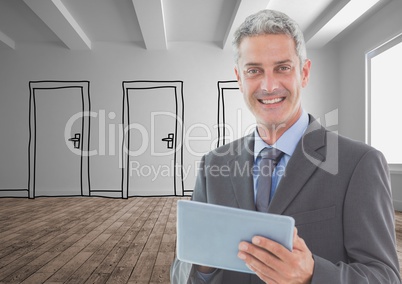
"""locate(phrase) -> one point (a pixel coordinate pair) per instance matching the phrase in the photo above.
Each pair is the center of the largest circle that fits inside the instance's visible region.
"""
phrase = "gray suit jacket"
(336, 189)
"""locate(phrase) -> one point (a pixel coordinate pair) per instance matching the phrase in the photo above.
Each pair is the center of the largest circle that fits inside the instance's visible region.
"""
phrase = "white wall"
(106, 66)
(200, 66)
(321, 96)
(378, 29)
(337, 83)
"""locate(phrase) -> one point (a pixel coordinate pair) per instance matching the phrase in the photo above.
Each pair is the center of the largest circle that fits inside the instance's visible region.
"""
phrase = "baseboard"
(106, 193)
(188, 191)
(14, 193)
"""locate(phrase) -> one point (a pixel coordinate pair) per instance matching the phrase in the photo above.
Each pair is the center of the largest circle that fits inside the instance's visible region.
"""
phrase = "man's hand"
(274, 263)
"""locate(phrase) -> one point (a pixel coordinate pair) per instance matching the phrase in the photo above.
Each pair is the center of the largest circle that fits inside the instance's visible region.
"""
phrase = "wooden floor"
(91, 240)
(87, 240)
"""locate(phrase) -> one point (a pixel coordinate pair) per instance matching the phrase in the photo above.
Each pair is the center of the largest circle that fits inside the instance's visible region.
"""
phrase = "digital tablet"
(210, 234)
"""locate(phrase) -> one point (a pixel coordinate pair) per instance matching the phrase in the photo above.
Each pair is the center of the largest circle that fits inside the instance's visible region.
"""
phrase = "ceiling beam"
(337, 19)
(314, 30)
(243, 9)
(6, 41)
(56, 16)
(152, 23)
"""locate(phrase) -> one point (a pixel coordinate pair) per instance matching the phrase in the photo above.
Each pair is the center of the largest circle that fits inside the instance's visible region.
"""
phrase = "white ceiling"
(80, 24)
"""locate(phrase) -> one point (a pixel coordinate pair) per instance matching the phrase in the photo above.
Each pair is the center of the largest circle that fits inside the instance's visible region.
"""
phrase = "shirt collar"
(288, 141)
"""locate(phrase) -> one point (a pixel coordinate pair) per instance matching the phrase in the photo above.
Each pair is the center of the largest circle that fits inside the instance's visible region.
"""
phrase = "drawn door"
(58, 138)
(153, 138)
(234, 118)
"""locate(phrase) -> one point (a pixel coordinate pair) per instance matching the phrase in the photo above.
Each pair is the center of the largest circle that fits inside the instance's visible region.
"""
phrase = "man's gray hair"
(270, 22)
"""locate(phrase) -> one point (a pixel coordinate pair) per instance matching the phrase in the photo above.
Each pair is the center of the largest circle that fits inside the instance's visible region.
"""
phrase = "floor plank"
(92, 240)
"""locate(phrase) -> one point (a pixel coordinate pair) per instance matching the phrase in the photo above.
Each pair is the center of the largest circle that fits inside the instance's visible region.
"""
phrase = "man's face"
(270, 78)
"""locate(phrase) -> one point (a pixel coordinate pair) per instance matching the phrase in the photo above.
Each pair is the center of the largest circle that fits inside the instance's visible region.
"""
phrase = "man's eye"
(284, 68)
(252, 71)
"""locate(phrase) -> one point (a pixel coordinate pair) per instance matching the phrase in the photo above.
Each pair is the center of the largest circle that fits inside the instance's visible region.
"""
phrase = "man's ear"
(238, 79)
(306, 72)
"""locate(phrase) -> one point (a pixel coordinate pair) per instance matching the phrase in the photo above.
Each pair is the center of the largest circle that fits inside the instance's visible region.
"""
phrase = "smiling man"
(271, 76)
(336, 189)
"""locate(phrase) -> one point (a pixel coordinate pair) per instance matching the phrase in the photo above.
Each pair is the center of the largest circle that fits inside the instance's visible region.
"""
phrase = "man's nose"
(269, 83)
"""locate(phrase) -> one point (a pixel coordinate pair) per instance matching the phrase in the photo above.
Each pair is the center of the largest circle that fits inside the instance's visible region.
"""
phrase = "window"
(384, 99)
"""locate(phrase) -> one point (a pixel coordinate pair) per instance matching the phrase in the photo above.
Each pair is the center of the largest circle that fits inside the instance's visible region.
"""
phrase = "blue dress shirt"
(286, 143)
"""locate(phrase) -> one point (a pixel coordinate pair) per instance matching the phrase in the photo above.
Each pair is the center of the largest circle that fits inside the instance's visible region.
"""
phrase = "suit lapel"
(303, 163)
(241, 173)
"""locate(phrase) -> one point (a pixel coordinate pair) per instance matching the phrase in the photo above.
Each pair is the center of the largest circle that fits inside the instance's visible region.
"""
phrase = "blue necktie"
(269, 159)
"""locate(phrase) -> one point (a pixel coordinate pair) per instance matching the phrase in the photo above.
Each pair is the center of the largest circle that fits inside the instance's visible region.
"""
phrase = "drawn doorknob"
(169, 140)
(76, 140)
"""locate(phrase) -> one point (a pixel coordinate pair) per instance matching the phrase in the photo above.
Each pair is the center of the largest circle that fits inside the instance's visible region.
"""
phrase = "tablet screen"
(210, 234)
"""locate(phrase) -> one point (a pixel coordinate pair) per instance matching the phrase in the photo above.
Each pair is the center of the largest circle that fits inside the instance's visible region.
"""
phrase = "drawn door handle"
(169, 140)
(76, 140)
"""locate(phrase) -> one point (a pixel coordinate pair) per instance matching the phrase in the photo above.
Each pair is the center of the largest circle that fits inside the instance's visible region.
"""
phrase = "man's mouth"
(272, 101)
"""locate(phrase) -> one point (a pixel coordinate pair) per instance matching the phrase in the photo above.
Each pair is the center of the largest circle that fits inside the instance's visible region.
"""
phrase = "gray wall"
(381, 27)
(199, 66)
(336, 93)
